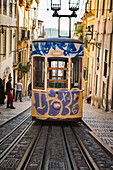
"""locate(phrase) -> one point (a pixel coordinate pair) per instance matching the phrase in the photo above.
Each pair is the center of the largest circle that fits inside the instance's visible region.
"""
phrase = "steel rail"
(13, 144)
(69, 151)
(47, 157)
(10, 133)
(85, 152)
(69, 161)
(31, 152)
(14, 117)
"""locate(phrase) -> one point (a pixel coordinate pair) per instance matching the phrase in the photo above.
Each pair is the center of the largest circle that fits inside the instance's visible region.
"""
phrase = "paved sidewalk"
(101, 123)
(7, 114)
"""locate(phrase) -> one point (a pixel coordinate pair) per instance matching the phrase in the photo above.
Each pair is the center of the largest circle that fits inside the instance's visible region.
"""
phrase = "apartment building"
(8, 37)
(102, 56)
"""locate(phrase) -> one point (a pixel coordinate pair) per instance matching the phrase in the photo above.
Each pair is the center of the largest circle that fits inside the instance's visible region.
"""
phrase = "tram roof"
(57, 40)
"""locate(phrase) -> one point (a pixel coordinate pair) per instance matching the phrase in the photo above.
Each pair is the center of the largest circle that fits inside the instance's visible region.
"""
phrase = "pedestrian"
(29, 89)
(89, 98)
(9, 93)
(19, 87)
(2, 94)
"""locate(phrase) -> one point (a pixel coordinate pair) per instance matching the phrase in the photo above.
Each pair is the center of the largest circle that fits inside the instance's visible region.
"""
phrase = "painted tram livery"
(57, 70)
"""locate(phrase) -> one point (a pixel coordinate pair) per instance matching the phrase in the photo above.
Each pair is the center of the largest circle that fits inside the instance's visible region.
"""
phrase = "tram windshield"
(61, 73)
(57, 73)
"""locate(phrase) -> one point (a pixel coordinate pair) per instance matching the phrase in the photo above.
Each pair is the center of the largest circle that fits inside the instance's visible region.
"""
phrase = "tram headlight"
(56, 105)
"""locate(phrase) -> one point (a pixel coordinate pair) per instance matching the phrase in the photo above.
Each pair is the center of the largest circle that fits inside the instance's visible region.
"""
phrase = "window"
(75, 80)
(57, 69)
(25, 57)
(19, 57)
(28, 34)
(86, 7)
(10, 8)
(0, 45)
(85, 73)
(90, 5)
(38, 72)
(105, 63)
(96, 84)
(4, 7)
(111, 4)
(15, 7)
(104, 94)
(97, 8)
(0, 6)
(23, 35)
(85, 43)
(103, 6)
(10, 44)
(4, 42)
(98, 58)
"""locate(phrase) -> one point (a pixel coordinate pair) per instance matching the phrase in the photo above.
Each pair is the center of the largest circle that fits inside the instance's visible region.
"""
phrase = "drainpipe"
(107, 107)
(112, 78)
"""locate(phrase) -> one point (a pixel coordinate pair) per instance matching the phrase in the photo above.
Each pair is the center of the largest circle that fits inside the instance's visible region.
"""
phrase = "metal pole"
(59, 27)
(69, 27)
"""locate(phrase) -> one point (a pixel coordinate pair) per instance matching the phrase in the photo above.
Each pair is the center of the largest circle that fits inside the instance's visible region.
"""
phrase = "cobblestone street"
(7, 114)
(101, 123)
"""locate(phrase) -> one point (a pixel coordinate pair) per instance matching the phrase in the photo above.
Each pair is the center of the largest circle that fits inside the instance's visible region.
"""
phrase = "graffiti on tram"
(62, 102)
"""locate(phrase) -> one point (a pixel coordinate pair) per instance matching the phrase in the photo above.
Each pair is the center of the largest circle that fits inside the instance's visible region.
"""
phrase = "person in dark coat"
(9, 94)
(2, 94)
(89, 98)
(29, 89)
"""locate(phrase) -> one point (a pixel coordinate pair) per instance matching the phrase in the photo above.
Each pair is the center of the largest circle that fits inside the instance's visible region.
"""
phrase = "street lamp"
(88, 34)
(55, 6)
(73, 6)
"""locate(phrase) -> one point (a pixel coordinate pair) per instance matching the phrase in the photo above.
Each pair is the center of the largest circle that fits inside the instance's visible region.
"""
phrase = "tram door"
(76, 73)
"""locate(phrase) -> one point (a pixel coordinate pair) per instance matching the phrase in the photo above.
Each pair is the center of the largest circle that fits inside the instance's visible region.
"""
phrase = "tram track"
(65, 150)
(9, 142)
(15, 117)
(14, 154)
(12, 131)
(77, 152)
(57, 152)
(7, 128)
(59, 147)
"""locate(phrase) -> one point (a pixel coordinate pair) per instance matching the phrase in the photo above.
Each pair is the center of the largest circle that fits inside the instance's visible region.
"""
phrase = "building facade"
(101, 83)
(18, 20)
(88, 23)
(26, 26)
(102, 77)
(8, 37)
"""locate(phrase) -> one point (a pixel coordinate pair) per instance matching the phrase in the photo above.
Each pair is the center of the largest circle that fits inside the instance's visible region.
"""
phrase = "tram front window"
(38, 72)
(57, 73)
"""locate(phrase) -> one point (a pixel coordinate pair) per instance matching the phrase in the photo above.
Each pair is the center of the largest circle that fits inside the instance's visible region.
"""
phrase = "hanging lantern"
(89, 34)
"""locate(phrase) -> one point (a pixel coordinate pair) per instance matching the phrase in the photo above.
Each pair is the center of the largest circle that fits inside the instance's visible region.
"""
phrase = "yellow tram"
(57, 71)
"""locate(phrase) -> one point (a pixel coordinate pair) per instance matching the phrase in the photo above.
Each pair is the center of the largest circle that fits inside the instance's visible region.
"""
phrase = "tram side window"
(75, 80)
(39, 72)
